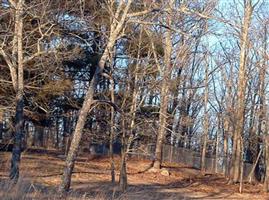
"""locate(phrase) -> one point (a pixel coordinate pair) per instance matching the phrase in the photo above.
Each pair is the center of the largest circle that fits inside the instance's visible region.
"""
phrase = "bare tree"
(164, 94)
(206, 119)
(116, 27)
(16, 65)
(240, 114)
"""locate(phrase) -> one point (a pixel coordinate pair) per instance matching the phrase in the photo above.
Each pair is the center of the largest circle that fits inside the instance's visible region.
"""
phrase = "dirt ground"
(41, 173)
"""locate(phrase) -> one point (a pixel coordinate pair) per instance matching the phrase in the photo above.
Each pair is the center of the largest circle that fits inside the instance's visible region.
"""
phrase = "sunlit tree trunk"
(123, 171)
(115, 30)
(263, 117)
(217, 144)
(164, 95)
(112, 134)
(206, 122)
(240, 106)
(266, 179)
(227, 122)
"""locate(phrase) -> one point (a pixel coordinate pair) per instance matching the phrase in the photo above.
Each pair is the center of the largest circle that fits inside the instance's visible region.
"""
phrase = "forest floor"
(41, 174)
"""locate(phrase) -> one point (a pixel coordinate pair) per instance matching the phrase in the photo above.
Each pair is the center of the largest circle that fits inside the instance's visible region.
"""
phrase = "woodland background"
(136, 76)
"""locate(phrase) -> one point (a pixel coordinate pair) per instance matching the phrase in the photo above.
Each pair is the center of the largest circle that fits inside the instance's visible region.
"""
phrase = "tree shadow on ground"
(183, 187)
(178, 190)
(25, 189)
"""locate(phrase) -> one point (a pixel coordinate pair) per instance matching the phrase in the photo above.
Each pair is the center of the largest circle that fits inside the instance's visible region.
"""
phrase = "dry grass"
(41, 172)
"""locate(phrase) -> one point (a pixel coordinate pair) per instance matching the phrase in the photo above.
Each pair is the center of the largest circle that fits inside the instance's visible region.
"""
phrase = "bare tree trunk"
(241, 167)
(227, 124)
(111, 139)
(164, 90)
(266, 152)
(225, 152)
(240, 114)
(56, 144)
(39, 135)
(16, 152)
(127, 144)
(263, 111)
(17, 146)
(162, 126)
(123, 172)
(217, 145)
(263, 117)
(251, 176)
(116, 28)
(206, 123)
(253, 146)
(72, 153)
(1, 125)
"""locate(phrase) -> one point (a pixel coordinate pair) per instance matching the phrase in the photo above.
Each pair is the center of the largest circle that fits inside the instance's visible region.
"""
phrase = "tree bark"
(206, 123)
(111, 139)
(263, 112)
(123, 171)
(227, 123)
(266, 152)
(116, 28)
(240, 114)
(217, 144)
(72, 153)
(17, 147)
(1, 125)
(164, 90)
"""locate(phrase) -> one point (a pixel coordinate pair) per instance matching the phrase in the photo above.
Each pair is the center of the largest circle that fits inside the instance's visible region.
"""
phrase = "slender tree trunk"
(217, 145)
(162, 126)
(111, 139)
(263, 111)
(123, 172)
(206, 123)
(241, 168)
(17, 147)
(253, 145)
(227, 124)
(251, 174)
(266, 153)
(72, 153)
(57, 134)
(39, 136)
(1, 125)
(263, 118)
(225, 152)
(133, 109)
(164, 90)
(240, 114)
(116, 28)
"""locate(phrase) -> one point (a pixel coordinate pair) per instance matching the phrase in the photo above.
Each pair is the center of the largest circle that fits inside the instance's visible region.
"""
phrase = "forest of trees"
(138, 73)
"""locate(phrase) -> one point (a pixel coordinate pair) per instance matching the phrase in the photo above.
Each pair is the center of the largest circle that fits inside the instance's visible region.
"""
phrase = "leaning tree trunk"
(72, 153)
(16, 152)
(116, 28)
